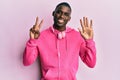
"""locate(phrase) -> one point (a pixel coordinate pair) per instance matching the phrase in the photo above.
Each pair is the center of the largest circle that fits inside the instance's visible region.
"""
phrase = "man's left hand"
(87, 30)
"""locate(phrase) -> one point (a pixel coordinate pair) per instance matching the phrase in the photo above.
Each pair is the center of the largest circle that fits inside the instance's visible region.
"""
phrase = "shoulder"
(73, 31)
(75, 34)
(46, 31)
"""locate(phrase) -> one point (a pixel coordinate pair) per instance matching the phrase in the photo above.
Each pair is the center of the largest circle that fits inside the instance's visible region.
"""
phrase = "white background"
(17, 16)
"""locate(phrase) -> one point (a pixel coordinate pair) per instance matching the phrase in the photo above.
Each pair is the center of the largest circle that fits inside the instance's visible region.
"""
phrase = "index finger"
(37, 19)
(82, 25)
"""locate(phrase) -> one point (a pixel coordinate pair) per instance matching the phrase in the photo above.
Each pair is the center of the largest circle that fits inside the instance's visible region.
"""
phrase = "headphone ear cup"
(61, 35)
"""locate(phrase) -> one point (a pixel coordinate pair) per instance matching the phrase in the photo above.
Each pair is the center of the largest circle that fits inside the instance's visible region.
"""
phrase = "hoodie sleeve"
(30, 53)
(88, 53)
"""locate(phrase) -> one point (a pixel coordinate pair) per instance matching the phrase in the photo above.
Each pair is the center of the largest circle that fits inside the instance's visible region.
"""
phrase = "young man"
(59, 47)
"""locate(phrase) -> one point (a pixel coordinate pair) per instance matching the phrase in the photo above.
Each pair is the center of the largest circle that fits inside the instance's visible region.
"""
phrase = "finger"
(82, 25)
(87, 23)
(84, 21)
(40, 24)
(37, 19)
(31, 35)
(37, 32)
(32, 30)
(33, 26)
(91, 23)
(80, 30)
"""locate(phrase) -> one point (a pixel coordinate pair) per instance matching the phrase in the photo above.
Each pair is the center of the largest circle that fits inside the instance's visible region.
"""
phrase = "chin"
(61, 25)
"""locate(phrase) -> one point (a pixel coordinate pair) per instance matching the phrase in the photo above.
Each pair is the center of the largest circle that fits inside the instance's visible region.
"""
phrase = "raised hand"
(35, 30)
(86, 31)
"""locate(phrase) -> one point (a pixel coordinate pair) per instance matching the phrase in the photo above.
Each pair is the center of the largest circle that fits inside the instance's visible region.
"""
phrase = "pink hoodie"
(59, 57)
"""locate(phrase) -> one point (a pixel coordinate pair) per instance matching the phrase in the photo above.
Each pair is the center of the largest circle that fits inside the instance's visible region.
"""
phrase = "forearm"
(88, 53)
(30, 53)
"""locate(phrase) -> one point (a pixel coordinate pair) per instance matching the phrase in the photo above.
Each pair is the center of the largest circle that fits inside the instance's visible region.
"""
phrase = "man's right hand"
(35, 30)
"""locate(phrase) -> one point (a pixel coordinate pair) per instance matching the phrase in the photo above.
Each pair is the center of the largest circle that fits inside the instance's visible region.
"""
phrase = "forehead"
(63, 8)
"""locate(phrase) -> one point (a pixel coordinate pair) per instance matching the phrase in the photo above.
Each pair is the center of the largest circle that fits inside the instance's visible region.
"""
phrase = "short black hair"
(64, 4)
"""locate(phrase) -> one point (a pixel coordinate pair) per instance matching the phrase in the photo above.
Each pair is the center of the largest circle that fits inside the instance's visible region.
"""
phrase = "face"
(61, 16)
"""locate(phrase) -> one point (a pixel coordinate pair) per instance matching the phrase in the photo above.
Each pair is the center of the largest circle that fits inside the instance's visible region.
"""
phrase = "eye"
(67, 14)
(58, 12)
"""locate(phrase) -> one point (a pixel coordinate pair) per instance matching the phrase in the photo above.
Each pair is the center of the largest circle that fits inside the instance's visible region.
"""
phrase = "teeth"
(61, 21)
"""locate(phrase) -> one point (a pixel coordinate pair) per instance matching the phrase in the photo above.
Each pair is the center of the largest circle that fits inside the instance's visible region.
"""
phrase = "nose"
(62, 15)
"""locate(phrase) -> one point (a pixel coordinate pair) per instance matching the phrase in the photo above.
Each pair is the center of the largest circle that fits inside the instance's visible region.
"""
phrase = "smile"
(60, 20)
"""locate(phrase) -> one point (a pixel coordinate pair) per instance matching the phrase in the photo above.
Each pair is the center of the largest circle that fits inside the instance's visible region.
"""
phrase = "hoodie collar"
(68, 29)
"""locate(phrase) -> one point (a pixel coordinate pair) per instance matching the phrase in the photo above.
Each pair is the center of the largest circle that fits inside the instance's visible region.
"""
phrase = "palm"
(86, 31)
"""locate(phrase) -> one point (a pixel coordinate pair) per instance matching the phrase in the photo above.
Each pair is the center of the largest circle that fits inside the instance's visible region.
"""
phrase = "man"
(59, 47)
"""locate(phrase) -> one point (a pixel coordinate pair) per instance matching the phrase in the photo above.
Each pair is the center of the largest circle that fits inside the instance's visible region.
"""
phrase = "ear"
(69, 18)
(53, 13)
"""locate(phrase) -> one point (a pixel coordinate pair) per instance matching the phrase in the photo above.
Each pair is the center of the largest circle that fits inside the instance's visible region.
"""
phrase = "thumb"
(80, 30)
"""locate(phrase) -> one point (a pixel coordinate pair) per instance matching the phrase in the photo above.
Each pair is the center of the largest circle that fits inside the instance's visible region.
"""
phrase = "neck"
(59, 28)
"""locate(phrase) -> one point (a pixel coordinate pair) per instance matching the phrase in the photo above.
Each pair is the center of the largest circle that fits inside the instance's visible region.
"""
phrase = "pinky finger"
(91, 23)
